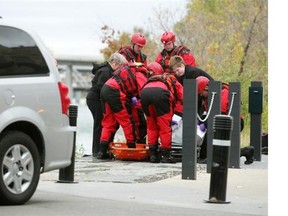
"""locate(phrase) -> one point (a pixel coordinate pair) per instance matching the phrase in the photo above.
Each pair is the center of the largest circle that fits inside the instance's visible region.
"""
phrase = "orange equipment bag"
(120, 151)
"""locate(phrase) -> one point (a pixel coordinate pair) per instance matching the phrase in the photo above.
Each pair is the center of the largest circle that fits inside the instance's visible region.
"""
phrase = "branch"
(243, 61)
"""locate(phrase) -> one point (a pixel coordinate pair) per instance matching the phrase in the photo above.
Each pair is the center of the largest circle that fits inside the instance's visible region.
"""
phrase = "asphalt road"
(127, 188)
(46, 203)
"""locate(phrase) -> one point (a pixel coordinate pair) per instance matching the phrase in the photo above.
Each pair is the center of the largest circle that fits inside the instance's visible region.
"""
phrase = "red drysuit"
(116, 95)
(161, 97)
(164, 56)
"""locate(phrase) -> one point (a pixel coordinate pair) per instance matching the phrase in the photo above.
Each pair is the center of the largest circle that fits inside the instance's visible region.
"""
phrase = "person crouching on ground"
(203, 88)
(116, 98)
(161, 98)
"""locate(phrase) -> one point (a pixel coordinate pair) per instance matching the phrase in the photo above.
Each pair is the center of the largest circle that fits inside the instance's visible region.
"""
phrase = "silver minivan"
(35, 135)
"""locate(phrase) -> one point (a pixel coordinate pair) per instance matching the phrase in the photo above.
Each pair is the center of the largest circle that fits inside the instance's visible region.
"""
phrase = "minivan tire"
(19, 167)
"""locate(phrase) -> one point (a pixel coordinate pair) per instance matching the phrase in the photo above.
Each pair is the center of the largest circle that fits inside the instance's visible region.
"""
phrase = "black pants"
(203, 150)
(95, 107)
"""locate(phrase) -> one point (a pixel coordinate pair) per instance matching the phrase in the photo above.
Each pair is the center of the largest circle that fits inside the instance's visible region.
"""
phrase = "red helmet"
(155, 67)
(168, 37)
(138, 39)
(202, 83)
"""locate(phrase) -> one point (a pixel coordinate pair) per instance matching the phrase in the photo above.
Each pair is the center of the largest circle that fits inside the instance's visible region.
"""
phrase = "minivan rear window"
(19, 55)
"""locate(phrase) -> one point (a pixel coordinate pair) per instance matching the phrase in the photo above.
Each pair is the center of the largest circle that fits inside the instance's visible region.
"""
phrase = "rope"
(209, 110)
(232, 102)
(211, 104)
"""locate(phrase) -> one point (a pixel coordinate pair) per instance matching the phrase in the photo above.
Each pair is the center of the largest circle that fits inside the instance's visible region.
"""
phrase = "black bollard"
(189, 148)
(66, 175)
(256, 109)
(214, 86)
(235, 104)
(222, 125)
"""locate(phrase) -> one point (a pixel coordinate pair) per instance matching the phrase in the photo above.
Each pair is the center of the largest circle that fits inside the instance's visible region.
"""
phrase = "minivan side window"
(19, 55)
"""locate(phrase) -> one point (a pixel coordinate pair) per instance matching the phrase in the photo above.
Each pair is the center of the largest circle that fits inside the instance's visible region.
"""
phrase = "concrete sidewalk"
(161, 185)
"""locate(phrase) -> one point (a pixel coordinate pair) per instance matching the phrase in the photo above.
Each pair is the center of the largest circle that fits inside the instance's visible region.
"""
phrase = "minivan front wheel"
(19, 167)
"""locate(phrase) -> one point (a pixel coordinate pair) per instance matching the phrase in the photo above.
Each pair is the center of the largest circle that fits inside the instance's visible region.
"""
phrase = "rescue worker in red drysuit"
(203, 83)
(116, 98)
(161, 98)
(168, 39)
(134, 54)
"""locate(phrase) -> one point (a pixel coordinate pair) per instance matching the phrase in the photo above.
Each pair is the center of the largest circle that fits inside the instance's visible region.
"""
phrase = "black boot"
(248, 152)
(154, 154)
(166, 157)
(103, 153)
(141, 141)
(131, 145)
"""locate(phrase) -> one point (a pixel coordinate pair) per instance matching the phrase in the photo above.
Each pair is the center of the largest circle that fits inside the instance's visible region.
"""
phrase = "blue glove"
(134, 101)
(174, 123)
(202, 127)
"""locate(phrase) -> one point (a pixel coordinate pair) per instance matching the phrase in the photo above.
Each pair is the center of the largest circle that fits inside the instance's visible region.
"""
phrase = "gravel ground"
(88, 169)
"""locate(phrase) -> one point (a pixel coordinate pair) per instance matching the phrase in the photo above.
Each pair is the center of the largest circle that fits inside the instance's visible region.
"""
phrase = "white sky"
(72, 27)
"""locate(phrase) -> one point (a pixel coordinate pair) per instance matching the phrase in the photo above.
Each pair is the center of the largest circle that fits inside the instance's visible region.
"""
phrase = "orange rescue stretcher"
(120, 151)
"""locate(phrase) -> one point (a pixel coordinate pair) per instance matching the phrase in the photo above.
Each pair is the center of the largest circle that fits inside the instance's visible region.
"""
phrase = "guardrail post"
(66, 175)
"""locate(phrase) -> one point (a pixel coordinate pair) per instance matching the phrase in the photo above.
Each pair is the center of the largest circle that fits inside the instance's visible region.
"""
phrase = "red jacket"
(129, 80)
(164, 56)
(131, 56)
(224, 101)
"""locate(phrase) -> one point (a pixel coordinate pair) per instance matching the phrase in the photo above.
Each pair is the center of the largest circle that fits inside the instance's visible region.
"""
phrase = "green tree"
(229, 39)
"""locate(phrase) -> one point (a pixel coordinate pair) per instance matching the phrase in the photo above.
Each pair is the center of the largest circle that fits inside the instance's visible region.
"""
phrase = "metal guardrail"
(76, 77)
